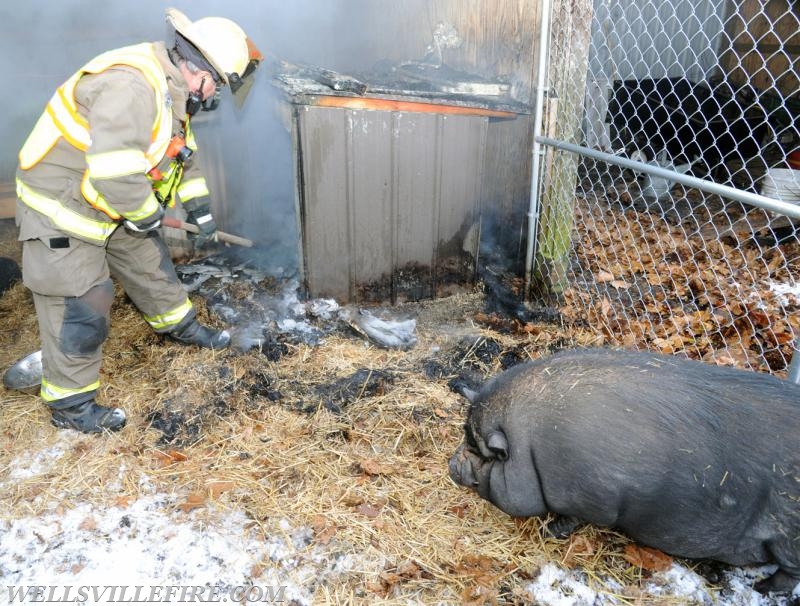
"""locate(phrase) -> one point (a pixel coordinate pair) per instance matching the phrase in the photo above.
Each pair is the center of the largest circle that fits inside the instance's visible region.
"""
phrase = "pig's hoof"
(711, 571)
(780, 582)
(562, 526)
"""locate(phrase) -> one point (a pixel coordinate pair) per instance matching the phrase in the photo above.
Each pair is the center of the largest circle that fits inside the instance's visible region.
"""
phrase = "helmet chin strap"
(212, 102)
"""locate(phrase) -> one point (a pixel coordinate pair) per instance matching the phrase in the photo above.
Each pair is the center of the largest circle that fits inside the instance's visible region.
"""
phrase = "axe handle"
(221, 235)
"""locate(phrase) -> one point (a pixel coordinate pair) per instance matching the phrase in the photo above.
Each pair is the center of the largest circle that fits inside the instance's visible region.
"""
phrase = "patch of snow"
(789, 294)
(34, 464)
(150, 544)
(558, 587)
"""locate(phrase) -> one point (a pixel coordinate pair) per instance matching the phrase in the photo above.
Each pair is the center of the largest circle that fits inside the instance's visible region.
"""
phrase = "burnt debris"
(364, 383)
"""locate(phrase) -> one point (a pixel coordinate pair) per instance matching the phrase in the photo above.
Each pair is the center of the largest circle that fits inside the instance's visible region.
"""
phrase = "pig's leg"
(562, 526)
(780, 582)
(784, 553)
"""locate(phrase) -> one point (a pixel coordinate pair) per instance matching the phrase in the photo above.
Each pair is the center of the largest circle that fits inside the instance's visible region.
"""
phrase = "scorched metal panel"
(389, 201)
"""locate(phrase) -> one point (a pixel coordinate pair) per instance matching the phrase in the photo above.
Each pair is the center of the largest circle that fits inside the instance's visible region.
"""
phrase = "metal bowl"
(25, 374)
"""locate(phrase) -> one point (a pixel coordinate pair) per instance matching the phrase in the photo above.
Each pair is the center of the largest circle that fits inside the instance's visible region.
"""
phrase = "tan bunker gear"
(95, 159)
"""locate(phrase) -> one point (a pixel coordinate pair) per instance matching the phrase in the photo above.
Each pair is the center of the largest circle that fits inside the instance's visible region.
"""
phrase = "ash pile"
(266, 310)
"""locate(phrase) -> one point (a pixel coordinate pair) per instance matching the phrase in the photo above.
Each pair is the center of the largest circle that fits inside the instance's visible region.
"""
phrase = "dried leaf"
(378, 589)
(459, 510)
(409, 569)
(654, 279)
(390, 578)
(579, 546)
(169, 457)
(647, 558)
(603, 276)
(256, 570)
(374, 468)
(369, 511)
(324, 531)
(351, 500)
(319, 522)
(531, 329)
(88, 523)
(193, 501)
(217, 487)
(482, 569)
(123, 501)
(479, 595)
(324, 537)
(758, 317)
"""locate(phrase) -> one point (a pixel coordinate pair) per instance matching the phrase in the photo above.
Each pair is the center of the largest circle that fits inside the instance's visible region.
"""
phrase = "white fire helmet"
(222, 42)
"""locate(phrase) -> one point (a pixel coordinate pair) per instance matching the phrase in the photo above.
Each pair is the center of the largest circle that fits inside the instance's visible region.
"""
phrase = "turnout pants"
(73, 292)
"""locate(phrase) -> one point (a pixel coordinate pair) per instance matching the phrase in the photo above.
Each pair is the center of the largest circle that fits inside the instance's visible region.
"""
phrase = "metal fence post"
(794, 367)
(684, 227)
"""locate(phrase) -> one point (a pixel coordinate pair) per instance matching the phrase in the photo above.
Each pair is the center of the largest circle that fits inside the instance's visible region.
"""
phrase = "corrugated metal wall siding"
(387, 200)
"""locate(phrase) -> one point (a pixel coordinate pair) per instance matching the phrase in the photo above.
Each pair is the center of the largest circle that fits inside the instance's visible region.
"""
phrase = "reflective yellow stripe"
(119, 163)
(63, 217)
(193, 188)
(93, 197)
(65, 121)
(50, 392)
(69, 102)
(39, 142)
(149, 207)
(78, 137)
(96, 199)
(171, 318)
(191, 142)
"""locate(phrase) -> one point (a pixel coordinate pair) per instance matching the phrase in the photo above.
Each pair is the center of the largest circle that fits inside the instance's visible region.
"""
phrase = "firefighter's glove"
(202, 218)
(144, 225)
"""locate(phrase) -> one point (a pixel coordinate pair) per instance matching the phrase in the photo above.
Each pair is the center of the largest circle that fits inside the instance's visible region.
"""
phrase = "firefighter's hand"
(144, 225)
(202, 218)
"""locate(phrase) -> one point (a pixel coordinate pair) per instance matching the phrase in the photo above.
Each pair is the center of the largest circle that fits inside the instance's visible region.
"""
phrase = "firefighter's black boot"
(82, 413)
(194, 333)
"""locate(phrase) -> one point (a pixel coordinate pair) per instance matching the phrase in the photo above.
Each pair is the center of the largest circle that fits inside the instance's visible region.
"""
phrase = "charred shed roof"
(411, 81)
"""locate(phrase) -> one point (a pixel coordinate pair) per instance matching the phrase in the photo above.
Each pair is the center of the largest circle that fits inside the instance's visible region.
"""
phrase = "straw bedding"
(341, 437)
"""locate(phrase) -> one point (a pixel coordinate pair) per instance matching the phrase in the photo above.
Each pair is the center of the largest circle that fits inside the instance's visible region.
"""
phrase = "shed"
(389, 176)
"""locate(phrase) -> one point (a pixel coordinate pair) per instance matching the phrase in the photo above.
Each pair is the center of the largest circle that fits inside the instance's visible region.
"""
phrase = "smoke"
(43, 42)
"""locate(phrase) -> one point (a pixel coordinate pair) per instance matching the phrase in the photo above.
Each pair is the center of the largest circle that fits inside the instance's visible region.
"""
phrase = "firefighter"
(112, 148)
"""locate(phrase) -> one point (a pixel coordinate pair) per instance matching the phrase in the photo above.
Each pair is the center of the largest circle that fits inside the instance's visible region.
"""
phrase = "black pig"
(696, 460)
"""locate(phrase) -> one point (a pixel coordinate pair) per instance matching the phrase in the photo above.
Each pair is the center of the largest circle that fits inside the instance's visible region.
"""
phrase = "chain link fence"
(684, 230)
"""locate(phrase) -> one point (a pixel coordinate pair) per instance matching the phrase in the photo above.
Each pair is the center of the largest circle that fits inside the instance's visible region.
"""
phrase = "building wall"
(499, 39)
(764, 48)
(247, 151)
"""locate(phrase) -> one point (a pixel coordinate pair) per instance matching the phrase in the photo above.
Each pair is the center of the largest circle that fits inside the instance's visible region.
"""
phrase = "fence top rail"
(753, 199)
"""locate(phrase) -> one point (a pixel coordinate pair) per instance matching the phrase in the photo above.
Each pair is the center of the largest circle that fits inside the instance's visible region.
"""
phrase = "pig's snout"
(461, 469)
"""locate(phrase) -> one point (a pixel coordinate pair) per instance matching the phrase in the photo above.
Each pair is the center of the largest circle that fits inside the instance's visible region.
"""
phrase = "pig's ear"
(498, 444)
